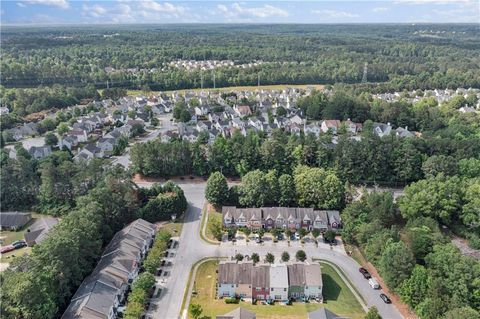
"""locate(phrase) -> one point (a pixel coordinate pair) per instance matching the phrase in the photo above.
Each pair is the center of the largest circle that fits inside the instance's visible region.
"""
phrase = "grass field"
(239, 88)
(339, 298)
(213, 216)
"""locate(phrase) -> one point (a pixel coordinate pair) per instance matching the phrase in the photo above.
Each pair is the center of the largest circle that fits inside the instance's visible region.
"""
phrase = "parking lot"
(269, 240)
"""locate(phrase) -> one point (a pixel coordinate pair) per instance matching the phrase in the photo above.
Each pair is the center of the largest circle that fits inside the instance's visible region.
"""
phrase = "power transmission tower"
(258, 80)
(214, 86)
(365, 71)
(201, 80)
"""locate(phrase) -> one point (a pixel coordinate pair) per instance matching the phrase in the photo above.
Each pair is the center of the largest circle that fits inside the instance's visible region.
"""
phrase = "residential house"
(323, 313)
(244, 279)
(261, 282)
(330, 125)
(105, 289)
(353, 128)
(39, 230)
(227, 278)
(382, 129)
(238, 313)
(313, 281)
(403, 132)
(334, 219)
(296, 279)
(38, 152)
(243, 110)
(279, 282)
(14, 221)
(80, 134)
(68, 142)
(320, 220)
(106, 144)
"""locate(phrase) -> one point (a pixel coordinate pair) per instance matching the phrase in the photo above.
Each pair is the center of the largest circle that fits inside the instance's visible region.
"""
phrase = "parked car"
(385, 298)
(6, 249)
(365, 273)
(374, 283)
(19, 244)
(280, 236)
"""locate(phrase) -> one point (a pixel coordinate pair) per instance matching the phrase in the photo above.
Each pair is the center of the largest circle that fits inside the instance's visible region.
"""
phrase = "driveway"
(192, 248)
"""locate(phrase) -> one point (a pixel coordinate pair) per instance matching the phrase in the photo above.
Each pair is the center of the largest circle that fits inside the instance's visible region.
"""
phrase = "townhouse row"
(292, 218)
(105, 289)
(279, 282)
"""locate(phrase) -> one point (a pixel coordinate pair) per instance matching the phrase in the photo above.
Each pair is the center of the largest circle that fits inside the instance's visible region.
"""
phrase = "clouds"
(63, 4)
(238, 11)
(335, 14)
(379, 9)
(146, 11)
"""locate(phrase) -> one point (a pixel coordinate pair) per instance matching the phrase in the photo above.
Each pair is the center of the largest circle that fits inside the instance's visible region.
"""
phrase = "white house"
(279, 282)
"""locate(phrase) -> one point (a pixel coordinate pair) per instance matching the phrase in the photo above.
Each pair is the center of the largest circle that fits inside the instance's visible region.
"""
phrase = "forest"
(398, 58)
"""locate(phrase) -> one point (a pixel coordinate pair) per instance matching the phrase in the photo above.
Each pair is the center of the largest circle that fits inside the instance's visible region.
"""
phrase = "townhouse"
(105, 289)
(292, 218)
(279, 282)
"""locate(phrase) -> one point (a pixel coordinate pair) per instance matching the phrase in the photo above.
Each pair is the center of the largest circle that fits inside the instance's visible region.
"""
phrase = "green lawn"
(338, 297)
(174, 228)
(213, 216)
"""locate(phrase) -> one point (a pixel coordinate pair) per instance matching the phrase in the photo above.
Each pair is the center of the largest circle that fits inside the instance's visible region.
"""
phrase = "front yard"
(338, 298)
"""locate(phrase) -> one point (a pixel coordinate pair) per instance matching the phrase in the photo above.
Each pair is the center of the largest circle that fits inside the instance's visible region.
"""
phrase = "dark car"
(19, 244)
(280, 236)
(385, 298)
(365, 273)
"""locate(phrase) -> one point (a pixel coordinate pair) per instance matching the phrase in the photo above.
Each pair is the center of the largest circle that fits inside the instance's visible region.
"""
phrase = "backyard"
(338, 298)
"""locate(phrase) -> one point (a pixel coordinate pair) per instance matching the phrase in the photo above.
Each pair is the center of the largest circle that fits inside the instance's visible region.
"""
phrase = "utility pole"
(258, 80)
(107, 85)
(201, 79)
(214, 86)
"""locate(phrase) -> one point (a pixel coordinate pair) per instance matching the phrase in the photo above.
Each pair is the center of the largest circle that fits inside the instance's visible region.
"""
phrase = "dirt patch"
(466, 250)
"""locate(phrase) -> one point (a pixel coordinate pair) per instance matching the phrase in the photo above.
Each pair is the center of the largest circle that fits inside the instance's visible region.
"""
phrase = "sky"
(41, 12)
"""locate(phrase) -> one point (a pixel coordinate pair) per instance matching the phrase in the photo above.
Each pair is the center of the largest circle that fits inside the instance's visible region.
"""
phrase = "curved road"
(192, 248)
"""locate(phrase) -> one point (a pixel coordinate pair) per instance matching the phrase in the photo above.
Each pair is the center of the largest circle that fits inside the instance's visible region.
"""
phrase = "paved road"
(192, 248)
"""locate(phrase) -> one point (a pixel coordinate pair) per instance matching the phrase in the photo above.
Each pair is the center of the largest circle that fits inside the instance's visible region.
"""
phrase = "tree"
(329, 235)
(470, 214)
(315, 233)
(437, 164)
(144, 281)
(137, 129)
(195, 310)
(287, 190)
(318, 188)
(247, 231)
(302, 232)
(414, 290)
(216, 191)
(270, 258)
(254, 189)
(255, 258)
(62, 128)
(373, 313)
(301, 255)
(238, 257)
(216, 229)
(396, 264)
(462, 313)
(134, 310)
(51, 139)
(285, 256)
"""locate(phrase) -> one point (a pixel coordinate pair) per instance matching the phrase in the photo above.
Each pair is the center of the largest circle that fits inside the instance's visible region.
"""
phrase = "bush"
(474, 241)
(152, 262)
(232, 300)
(169, 200)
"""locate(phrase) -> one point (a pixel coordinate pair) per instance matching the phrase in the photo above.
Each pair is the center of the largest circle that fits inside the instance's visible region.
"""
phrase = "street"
(192, 248)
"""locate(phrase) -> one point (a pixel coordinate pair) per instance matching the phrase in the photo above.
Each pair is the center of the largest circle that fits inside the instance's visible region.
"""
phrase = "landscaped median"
(338, 297)
(211, 222)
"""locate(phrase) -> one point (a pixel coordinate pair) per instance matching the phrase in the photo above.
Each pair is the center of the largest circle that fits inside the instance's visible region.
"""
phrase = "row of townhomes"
(278, 282)
(292, 218)
(105, 289)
